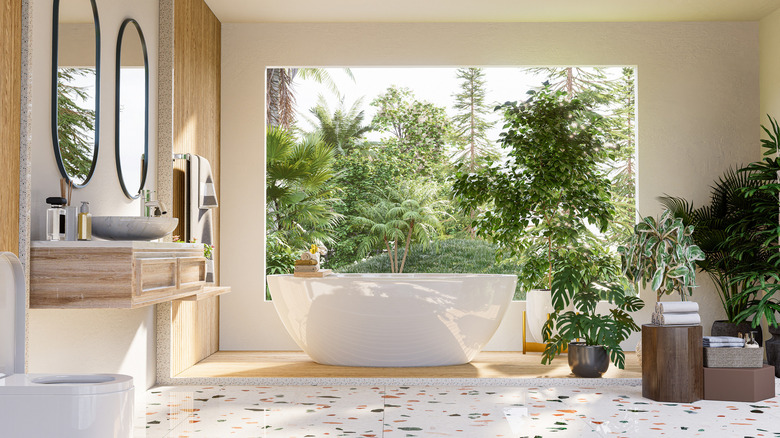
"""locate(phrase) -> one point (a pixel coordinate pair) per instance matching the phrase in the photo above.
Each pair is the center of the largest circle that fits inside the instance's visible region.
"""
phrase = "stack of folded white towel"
(723, 342)
(676, 313)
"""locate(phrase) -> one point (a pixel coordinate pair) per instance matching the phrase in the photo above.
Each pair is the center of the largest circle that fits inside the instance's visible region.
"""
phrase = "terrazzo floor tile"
(271, 412)
(428, 411)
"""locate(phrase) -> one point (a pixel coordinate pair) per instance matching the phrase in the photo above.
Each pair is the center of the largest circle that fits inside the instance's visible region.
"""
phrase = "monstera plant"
(599, 333)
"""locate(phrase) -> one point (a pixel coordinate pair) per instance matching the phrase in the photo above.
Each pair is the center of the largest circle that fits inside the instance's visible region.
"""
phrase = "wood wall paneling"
(10, 114)
(194, 332)
(196, 130)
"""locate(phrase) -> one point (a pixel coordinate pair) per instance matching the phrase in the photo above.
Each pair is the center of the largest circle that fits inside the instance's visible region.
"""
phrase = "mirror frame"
(54, 65)
(145, 167)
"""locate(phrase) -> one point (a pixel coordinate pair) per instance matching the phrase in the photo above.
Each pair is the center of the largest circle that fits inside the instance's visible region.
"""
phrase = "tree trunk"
(406, 246)
(389, 255)
(395, 255)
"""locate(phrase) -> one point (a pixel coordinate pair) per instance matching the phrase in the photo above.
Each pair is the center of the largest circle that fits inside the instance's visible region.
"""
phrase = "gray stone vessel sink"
(132, 227)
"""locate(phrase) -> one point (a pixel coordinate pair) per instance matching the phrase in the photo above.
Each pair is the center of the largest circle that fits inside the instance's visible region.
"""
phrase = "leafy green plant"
(754, 239)
(579, 287)
(662, 252)
(300, 188)
(541, 200)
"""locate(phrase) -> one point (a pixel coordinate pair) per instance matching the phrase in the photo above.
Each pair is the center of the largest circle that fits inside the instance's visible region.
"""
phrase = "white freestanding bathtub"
(392, 320)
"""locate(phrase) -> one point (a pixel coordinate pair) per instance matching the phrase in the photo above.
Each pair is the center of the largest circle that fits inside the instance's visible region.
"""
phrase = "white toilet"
(52, 405)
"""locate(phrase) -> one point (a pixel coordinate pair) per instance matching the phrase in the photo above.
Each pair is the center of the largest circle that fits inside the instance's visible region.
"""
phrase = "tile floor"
(429, 411)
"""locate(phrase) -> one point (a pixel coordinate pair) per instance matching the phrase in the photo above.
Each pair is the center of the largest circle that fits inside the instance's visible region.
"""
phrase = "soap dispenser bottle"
(55, 218)
(85, 222)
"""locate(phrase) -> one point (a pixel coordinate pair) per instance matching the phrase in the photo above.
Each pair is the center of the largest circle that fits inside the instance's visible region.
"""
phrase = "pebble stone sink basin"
(132, 227)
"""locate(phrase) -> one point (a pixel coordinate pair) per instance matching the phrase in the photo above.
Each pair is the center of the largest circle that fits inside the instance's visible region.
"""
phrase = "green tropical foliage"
(280, 93)
(401, 215)
(727, 207)
(342, 128)
(300, 190)
(75, 124)
(584, 290)
(662, 252)
(551, 187)
(444, 256)
(754, 239)
(417, 131)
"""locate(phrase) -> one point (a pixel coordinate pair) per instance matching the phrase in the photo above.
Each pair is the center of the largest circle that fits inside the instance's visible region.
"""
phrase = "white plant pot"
(538, 304)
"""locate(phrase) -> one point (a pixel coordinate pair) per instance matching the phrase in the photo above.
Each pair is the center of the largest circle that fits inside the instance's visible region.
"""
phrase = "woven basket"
(733, 357)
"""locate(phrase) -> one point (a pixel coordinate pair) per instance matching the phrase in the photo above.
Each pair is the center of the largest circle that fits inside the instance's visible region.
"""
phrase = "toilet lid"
(64, 384)
(12, 303)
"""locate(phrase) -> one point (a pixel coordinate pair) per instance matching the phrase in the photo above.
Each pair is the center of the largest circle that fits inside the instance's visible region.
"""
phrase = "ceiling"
(344, 11)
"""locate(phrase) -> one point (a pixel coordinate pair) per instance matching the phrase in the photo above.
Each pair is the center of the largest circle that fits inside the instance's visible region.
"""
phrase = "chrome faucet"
(151, 207)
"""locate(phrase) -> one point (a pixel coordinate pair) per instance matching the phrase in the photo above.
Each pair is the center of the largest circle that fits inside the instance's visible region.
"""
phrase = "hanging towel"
(677, 307)
(201, 227)
(207, 193)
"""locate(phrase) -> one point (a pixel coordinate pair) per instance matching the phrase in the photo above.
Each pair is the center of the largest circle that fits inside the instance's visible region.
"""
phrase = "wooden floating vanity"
(116, 274)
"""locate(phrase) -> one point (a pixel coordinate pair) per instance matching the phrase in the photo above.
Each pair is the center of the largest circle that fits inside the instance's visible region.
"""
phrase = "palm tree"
(280, 93)
(343, 127)
(300, 188)
(401, 215)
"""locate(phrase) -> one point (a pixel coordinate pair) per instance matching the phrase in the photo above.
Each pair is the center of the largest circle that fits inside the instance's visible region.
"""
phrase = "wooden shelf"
(208, 292)
(118, 275)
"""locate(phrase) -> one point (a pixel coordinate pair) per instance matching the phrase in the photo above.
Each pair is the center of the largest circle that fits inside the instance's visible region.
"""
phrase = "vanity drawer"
(156, 278)
(192, 273)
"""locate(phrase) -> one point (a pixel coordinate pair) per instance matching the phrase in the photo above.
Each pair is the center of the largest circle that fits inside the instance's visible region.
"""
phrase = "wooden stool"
(672, 364)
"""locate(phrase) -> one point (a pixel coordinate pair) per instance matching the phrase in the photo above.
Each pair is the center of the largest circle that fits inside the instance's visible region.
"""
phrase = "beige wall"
(769, 34)
(86, 341)
(698, 109)
(769, 31)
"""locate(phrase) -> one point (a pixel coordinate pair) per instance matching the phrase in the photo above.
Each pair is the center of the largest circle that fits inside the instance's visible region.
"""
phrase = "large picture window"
(365, 162)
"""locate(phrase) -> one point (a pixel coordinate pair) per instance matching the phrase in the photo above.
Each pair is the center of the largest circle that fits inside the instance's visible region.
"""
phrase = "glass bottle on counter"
(55, 218)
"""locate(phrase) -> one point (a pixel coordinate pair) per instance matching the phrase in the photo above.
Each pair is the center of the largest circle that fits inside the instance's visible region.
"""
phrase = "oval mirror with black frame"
(132, 108)
(75, 88)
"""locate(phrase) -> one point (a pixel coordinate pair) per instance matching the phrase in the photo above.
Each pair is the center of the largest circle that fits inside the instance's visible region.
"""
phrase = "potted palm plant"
(754, 240)
(734, 231)
(543, 197)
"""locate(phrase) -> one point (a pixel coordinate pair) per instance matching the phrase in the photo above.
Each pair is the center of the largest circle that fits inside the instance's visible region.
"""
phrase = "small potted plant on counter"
(593, 338)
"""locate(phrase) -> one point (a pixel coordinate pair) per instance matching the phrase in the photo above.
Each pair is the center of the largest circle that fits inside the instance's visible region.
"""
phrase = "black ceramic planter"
(772, 348)
(588, 360)
(725, 328)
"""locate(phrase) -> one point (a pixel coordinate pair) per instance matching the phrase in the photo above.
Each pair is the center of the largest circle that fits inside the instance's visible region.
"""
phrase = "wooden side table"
(672, 363)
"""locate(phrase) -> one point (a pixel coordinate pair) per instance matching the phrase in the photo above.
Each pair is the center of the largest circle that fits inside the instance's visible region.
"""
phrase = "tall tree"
(469, 122)
(280, 93)
(418, 130)
(623, 165)
(585, 82)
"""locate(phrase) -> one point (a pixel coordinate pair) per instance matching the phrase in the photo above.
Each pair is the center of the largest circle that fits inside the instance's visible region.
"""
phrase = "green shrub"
(444, 256)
